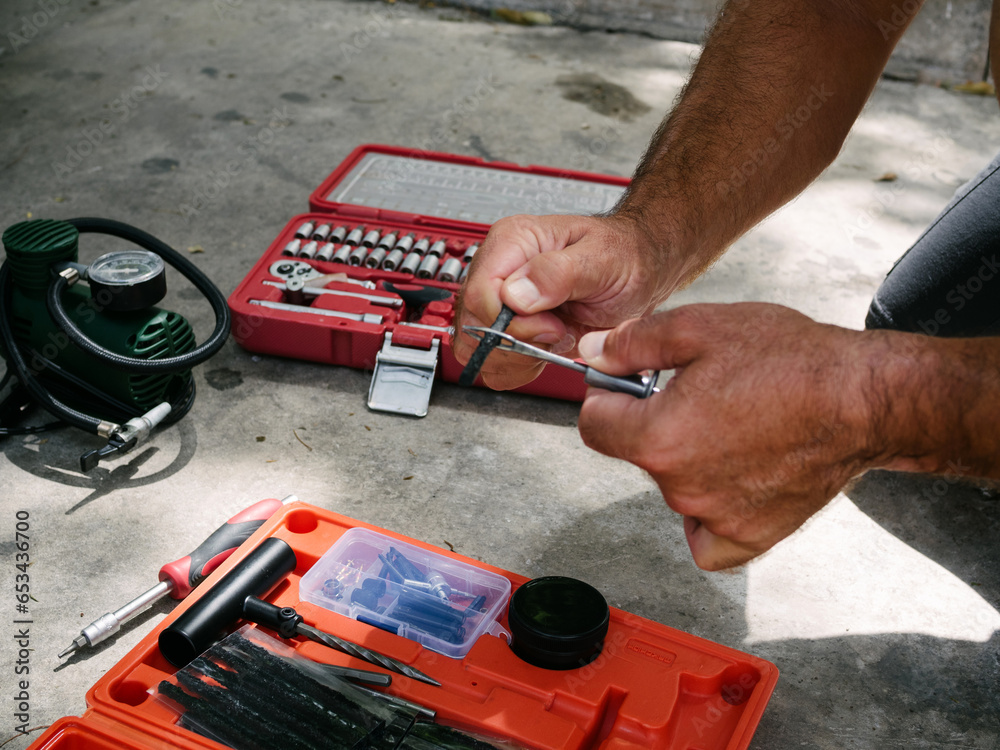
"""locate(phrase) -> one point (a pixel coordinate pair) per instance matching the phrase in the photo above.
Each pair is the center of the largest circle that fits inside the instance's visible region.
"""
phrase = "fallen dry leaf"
(979, 88)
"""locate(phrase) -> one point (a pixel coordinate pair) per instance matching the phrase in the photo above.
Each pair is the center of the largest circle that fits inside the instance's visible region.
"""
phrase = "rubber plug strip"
(488, 344)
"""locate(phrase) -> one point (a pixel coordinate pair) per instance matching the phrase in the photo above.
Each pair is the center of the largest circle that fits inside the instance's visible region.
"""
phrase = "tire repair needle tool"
(288, 623)
(180, 577)
(640, 386)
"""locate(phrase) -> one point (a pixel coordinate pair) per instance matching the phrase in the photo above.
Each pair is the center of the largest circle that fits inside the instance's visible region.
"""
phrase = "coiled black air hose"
(77, 418)
(188, 269)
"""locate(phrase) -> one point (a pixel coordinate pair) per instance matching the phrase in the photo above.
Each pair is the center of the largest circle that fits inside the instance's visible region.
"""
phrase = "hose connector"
(126, 437)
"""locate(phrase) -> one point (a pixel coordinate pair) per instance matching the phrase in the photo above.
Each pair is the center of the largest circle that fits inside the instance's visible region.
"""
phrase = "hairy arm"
(769, 104)
(774, 94)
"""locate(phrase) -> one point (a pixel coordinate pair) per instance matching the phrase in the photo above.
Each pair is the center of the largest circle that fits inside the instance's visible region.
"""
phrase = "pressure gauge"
(127, 280)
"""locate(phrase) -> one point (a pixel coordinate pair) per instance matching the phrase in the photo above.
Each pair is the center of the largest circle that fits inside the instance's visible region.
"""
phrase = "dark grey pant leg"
(948, 283)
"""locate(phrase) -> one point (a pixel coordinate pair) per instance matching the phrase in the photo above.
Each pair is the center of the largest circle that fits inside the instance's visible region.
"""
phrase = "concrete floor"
(882, 613)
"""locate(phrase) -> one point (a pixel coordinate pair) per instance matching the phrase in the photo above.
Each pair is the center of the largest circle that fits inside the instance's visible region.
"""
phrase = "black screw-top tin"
(557, 622)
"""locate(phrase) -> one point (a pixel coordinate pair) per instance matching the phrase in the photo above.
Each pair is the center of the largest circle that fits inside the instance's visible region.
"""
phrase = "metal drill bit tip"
(365, 654)
(78, 643)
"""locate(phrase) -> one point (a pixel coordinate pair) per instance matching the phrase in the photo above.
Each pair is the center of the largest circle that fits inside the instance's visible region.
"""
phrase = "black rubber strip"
(488, 344)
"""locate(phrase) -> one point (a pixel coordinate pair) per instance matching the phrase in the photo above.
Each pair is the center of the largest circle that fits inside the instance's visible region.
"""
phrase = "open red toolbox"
(651, 687)
(402, 226)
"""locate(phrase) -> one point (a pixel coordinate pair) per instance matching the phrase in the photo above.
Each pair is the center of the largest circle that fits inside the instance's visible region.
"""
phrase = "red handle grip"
(187, 572)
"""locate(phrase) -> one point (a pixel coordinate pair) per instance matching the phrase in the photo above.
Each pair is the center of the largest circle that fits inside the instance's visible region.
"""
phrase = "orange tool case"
(651, 687)
(427, 196)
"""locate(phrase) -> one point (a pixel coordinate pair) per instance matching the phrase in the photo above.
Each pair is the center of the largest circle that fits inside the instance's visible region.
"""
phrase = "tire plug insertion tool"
(640, 386)
(180, 577)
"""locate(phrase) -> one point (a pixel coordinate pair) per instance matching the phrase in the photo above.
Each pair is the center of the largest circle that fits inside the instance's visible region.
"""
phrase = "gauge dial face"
(125, 268)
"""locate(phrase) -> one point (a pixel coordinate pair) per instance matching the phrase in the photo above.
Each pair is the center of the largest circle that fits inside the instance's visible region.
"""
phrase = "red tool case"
(652, 686)
(406, 192)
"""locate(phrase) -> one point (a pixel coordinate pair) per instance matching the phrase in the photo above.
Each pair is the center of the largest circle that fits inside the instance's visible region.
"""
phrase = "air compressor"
(100, 356)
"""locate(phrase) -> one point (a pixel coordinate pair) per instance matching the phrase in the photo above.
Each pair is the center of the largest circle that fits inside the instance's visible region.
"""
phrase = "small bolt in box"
(443, 604)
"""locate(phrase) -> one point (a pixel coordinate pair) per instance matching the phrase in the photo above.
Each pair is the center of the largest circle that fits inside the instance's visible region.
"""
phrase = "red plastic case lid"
(379, 182)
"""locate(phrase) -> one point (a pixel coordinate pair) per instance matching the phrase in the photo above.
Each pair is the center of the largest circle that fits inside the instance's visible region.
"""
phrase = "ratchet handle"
(640, 386)
(187, 572)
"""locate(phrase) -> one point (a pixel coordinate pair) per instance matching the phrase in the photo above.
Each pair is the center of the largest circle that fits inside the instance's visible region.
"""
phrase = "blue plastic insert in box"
(441, 603)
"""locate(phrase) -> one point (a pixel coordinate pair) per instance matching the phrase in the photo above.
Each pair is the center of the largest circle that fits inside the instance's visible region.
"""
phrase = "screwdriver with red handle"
(180, 577)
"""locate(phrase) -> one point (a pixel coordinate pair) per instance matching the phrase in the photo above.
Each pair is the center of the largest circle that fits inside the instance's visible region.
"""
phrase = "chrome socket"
(450, 271)
(326, 251)
(375, 257)
(392, 260)
(410, 263)
(342, 254)
(428, 267)
(357, 256)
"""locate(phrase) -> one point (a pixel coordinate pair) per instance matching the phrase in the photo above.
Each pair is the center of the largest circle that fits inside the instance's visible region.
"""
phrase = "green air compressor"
(104, 346)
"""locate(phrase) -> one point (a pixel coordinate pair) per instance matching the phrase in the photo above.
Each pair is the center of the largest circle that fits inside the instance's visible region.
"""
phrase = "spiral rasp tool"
(365, 654)
(288, 623)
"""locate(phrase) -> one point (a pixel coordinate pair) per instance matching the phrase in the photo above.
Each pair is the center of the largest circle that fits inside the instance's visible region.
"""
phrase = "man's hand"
(563, 276)
(766, 418)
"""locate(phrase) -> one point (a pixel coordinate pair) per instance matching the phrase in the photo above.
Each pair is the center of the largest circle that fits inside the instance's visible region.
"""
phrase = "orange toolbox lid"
(651, 687)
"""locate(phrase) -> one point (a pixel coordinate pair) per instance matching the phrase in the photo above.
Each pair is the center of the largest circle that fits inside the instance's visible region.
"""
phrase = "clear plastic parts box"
(441, 603)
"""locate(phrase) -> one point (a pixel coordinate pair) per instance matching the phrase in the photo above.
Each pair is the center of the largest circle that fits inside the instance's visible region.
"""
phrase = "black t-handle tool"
(198, 626)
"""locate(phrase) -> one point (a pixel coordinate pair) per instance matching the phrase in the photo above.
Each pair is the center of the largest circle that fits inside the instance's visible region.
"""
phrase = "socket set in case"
(368, 278)
(650, 686)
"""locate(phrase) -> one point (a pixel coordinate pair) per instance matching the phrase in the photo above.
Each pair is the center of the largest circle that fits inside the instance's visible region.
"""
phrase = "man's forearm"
(775, 92)
(937, 403)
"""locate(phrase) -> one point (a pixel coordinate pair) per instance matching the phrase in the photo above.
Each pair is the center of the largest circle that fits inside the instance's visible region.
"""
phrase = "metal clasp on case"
(403, 378)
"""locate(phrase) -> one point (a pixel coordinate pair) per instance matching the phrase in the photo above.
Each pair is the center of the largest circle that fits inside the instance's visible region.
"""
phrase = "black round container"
(557, 622)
